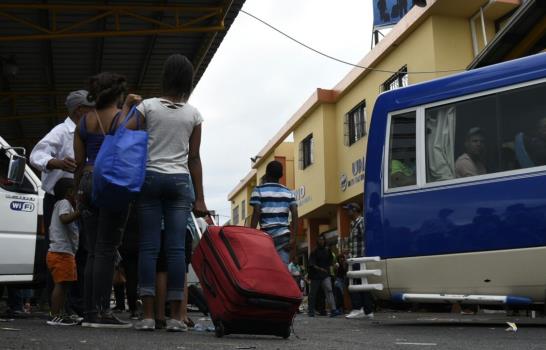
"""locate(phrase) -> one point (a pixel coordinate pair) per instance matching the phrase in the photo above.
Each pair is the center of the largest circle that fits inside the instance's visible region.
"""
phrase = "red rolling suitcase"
(246, 285)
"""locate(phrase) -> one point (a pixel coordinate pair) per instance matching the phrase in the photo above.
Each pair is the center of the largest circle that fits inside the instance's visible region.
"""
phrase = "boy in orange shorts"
(61, 262)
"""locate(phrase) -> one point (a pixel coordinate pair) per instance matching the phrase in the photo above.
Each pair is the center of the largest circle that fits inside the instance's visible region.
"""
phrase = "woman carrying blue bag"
(102, 227)
(174, 138)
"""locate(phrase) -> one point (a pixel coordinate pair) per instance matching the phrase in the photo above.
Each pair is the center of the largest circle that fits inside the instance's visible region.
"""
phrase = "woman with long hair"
(102, 228)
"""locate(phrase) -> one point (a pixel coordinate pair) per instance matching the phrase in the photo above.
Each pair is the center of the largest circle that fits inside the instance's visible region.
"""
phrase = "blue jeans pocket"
(184, 188)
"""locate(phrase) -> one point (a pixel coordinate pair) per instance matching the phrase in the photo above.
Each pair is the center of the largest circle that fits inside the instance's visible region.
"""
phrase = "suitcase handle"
(206, 281)
(230, 249)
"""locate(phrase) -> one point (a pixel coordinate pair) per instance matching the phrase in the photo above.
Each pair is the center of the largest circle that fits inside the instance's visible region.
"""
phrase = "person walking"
(172, 185)
(272, 203)
(362, 302)
(320, 262)
(103, 227)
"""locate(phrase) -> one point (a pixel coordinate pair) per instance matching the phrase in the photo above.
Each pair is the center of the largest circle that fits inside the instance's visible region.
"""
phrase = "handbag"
(120, 166)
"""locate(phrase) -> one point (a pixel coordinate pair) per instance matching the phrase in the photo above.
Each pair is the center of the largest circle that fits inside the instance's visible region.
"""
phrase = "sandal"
(188, 321)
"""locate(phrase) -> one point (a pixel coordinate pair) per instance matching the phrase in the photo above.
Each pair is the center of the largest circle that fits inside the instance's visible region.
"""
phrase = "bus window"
(490, 134)
(523, 125)
(402, 157)
(461, 139)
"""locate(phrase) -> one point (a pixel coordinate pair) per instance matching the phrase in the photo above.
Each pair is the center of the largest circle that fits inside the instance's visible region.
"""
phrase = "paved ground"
(389, 330)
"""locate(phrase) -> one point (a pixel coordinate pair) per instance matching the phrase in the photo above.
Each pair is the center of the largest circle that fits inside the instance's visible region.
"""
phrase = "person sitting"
(401, 174)
(471, 163)
(536, 144)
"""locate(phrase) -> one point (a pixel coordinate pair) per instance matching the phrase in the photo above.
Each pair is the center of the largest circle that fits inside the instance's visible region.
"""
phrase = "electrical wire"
(340, 60)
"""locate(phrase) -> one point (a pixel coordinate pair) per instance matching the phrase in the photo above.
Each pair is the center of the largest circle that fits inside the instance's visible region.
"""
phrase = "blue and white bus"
(455, 187)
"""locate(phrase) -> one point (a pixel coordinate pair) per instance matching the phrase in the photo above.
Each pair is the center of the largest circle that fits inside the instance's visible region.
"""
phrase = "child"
(61, 262)
(272, 203)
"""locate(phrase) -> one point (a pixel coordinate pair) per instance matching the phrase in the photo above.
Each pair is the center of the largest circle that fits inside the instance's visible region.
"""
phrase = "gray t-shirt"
(169, 127)
(465, 166)
(63, 238)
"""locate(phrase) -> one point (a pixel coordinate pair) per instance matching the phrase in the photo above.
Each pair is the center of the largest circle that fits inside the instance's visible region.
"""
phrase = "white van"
(22, 232)
(21, 236)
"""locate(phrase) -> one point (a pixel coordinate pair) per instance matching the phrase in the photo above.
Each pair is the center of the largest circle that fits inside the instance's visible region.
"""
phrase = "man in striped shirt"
(272, 203)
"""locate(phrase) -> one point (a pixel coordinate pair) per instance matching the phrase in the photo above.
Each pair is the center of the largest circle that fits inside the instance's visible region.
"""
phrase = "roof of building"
(57, 45)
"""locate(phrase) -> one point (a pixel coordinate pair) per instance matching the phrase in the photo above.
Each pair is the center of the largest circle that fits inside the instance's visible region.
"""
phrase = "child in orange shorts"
(61, 262)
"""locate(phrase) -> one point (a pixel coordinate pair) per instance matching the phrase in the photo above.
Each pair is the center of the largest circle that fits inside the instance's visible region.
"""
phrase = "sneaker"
(356, 314)
(108, 320)
(60, 321)
(76, 318)
(160, 324)
(135, 315)
(176, 326)
(369, 316)
(118, 309)
(147, 324)
(335, 313)
(90, 320)
(16, 313)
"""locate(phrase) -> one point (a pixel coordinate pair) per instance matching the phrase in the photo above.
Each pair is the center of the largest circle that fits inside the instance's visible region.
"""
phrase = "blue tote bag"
(120, 166)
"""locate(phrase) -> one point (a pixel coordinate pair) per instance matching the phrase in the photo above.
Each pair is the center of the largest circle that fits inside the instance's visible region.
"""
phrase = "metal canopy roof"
(524, 34)
(57, 45)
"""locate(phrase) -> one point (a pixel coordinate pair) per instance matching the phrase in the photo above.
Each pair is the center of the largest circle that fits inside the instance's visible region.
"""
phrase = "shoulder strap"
(83, 127)
(100, 123)
(114, 123)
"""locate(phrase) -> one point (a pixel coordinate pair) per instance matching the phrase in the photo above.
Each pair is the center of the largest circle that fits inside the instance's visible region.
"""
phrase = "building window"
(243, 210)
(355, 124)
(235, 215)
(398, 80)
(402, 158)
(306, 152)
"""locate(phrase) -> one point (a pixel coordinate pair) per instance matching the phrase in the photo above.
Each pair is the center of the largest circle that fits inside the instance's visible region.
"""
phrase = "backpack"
(120, 166)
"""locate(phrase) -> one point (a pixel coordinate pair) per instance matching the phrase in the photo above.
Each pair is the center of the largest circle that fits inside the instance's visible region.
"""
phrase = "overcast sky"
(258, 79)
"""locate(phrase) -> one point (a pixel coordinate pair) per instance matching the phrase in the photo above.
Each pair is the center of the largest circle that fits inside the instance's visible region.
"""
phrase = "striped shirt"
(274, 201)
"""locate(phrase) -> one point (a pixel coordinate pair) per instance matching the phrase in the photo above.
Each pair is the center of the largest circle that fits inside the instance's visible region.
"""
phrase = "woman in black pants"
(103, 227)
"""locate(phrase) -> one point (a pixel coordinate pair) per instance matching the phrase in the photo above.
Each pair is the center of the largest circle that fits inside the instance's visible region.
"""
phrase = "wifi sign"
(21, 206)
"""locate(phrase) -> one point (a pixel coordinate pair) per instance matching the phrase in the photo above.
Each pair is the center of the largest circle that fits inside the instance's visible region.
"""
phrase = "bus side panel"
(373, 204)
(501, 272)
(502, 213)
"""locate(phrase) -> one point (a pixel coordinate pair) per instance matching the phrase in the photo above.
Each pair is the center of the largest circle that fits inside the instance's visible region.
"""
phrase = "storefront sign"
(358, 171)
(300, 195)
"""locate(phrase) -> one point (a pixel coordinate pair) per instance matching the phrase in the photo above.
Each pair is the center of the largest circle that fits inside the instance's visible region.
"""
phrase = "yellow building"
(329, 130)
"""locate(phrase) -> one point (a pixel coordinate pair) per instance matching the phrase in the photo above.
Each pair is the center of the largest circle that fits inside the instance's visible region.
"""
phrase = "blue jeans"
(284, 255)
(167, 196)
(281, 239)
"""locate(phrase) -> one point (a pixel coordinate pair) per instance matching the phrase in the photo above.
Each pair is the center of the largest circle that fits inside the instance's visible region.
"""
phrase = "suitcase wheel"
(219, 330)
(286, 333)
